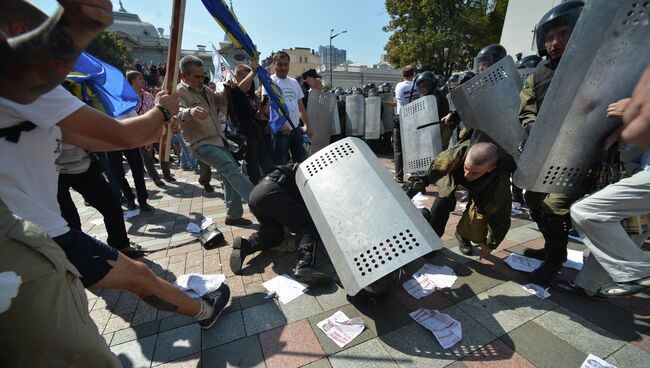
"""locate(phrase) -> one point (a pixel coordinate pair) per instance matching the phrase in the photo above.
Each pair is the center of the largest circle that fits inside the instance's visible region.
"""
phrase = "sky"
(276, 24)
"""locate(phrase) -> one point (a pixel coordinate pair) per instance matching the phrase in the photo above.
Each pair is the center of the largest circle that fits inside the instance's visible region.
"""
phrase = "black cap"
(310, 73)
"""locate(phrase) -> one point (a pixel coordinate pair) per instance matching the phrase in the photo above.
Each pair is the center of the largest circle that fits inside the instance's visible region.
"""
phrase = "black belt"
(12, 133)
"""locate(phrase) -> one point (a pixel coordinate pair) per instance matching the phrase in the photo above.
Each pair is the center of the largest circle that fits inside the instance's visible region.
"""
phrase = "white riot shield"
(608, 51)
(355, 112)
(372, 126)
(420, 130)
(524, 73)
(320, 109)
(490, 102)
(368, 225)
(336, 121)
(389, 112)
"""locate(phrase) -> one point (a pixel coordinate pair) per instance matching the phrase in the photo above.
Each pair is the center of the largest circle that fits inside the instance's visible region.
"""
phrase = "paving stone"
(474, 335)
(175, 321)
(330, 297)
(135, 332)
(108, 337)
(136, 354)
(415, 346)
(117, 323)
(383, 315)
(496, 354)
(643, 341)
(473, 278)
(433, 301)
(579, 332)
(523, 234)
(244, 352)
(191, 361)
(302, 307)
(177, 343)
(493, 314)
(229, 327)
(263, 317)
(630, 356)
(542, 348)
(370, 354)
(293, 345)
(323, 363)
(520, 300)
(329, 347)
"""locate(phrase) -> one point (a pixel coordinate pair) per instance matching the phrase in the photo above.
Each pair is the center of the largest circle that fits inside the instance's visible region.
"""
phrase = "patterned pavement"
(503, 325)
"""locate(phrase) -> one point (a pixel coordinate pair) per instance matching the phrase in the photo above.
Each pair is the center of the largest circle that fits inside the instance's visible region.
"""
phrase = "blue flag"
(240, 39)
(114, 91)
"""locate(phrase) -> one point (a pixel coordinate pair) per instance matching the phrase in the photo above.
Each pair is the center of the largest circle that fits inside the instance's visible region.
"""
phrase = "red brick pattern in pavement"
(293, 345)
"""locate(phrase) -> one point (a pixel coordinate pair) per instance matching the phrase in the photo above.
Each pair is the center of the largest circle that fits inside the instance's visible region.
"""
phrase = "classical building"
(302, 58)
(350, 74)
(339, 56)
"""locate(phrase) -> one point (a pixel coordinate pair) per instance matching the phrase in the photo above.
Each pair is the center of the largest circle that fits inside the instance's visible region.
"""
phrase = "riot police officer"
(488, 55)
(426, 85)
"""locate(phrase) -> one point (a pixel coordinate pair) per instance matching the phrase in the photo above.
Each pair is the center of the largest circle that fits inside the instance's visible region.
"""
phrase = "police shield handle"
(171, 78)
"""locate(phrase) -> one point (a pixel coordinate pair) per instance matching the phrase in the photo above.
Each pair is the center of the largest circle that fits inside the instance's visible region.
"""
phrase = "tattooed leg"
(158, 303)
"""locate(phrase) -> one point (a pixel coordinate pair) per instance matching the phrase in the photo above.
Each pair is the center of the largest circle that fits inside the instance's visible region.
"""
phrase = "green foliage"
(441, 35)
(107, 47)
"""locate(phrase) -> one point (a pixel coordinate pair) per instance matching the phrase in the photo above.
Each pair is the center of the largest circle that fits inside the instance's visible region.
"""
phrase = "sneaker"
(146, 207)
(218, 299)
(241, 247)
(545, 273)
(238, 222)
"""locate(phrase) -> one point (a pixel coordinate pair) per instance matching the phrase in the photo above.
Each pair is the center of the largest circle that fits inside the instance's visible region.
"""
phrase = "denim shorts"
(87, 254)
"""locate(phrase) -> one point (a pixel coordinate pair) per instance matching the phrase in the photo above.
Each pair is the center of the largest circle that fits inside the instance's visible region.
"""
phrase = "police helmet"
(566, 13)
(357, 91)
(426, 79)
(465, 76)
(489, 55)
(529, 61)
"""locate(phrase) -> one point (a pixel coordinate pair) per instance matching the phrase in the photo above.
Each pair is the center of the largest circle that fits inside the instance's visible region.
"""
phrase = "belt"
(12, 133)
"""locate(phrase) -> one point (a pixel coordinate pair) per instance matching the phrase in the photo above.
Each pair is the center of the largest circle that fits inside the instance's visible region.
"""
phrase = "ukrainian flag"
(240, 39)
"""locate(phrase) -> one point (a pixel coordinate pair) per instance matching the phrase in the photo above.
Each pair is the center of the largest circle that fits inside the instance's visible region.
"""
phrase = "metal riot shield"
(490, 102)
(368, 225)
(524, 73)
(372, 126)
(320, 109)
(336, 122)
(355, 111)
(420, 128)
(606, 54)
(389, 112)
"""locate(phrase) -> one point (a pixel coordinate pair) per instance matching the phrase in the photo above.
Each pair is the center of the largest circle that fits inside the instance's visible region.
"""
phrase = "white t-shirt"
(402, 93)
(28, 172)
(292, 93)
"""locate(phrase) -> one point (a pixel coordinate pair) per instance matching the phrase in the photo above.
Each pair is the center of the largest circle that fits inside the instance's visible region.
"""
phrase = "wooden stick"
(171, 75)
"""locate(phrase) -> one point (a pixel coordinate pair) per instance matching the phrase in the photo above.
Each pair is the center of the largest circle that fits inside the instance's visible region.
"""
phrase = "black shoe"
(208, 188)
(146, 207)
(465, 246)
(218, 299)
(570, 287)
(306, 274)
(133, 252)
(545, 273)
(535, 253)
(241, 247)
(131, 205)
(159, 183)
(238, 222)
(170, 179)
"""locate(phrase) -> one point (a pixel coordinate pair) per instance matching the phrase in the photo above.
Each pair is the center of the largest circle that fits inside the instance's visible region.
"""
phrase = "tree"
(107, 47)
(441, 35)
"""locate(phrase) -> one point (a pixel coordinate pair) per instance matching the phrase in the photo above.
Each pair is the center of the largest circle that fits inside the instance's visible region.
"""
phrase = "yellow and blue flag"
(240, 39)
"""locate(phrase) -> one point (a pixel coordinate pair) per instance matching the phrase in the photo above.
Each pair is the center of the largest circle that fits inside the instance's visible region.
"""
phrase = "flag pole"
(171, 76)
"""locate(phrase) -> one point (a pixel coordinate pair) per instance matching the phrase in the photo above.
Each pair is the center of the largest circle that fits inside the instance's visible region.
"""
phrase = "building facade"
(339, 56)
(302, 58)
(356, 75)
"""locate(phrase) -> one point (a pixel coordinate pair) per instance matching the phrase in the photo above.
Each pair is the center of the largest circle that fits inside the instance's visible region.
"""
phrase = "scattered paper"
(206, 222)
(131, 213)
(195, 285)
(181, 180)
(9, 285)
(418, 200)
(285, 287)
(516, 209)
(97, 221)
(447, 330)
(537, 290)
(593, 361)
(429, 278)
(193, 228)
(574, 259)
(340, 329)
(460, 209)
(522, 263)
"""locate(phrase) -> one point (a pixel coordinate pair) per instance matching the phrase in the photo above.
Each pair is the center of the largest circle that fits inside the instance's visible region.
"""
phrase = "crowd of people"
(50, 141)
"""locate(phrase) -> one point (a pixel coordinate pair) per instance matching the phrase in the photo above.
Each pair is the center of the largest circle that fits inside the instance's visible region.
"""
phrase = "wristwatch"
(166, 113)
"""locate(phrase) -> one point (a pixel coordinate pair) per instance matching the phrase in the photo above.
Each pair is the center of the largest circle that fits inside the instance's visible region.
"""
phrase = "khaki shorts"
(473, 225)
(47, 324)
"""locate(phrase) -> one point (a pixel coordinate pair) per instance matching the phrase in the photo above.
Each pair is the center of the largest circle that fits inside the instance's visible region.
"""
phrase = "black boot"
(306, 273)
(465, 246)
(241, 247)
(556, 236)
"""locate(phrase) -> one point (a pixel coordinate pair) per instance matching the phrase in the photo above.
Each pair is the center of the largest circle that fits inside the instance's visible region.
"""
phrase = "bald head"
(481, 159)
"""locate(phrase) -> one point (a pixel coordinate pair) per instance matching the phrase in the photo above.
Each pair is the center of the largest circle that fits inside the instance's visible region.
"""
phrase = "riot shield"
(420, 128)
(372, 126)
(320, 109)
(524, 73)
(368, 225)
(355, 111)
(608, 51)
(336, 122)
(389, 112)
(490, 102)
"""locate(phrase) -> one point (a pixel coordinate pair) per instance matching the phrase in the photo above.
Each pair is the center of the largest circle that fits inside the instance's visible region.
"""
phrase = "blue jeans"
(285, 143)
(187, 159)
(235, 184)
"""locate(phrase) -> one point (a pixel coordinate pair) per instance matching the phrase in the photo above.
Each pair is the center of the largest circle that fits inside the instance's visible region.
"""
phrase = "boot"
(465, 246)
(556, 233)
(167, 172)
(241, 247)
(307, 274)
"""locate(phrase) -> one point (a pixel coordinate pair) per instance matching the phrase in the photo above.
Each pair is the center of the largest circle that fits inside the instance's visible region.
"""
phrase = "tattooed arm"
(35, 62)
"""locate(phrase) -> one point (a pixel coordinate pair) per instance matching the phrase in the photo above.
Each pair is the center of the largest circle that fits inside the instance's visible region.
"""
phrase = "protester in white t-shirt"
(404, 93)
(289, 138)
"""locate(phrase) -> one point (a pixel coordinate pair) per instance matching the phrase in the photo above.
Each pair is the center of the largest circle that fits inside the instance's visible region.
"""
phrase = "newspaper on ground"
(97, 221)
(523, 263)
(593, 361)
(537, 290)
(447, 330)
(574, 259)
(341, 329)
(429, 278)
(285, 287)
(418, 200)
(206, 222)
(131, 213)
(460, 209)
(196, 285)
(516, 209)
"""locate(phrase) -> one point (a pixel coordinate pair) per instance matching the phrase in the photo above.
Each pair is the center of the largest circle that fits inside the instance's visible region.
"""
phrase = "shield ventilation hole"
(487, 81)
(384, 252)
(328, 158)
(561, 176)
(638, 14)
(420, 163)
